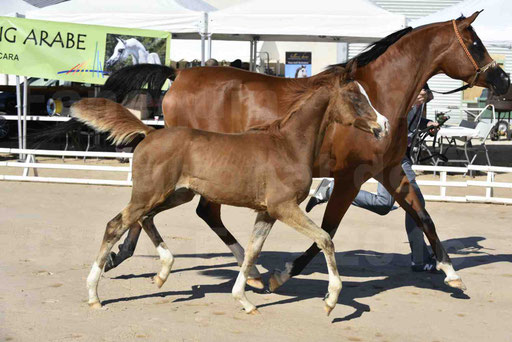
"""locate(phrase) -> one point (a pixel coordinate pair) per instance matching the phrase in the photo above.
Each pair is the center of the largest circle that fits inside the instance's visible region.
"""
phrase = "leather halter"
(478, 70)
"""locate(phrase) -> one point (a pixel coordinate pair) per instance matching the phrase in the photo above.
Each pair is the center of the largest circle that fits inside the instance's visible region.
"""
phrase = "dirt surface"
(50, 234)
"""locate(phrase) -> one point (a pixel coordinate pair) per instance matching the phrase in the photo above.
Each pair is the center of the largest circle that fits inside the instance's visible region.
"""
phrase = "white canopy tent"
(291, 20)
(10, 8)
(493, 25)
(165, 15)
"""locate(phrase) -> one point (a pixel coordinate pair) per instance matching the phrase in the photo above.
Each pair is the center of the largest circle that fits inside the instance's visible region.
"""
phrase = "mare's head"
(120, 53)
(467, 58)
(350, 105)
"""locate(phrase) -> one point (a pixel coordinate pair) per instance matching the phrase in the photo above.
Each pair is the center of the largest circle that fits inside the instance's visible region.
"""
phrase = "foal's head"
(466, 58)
(350, 106)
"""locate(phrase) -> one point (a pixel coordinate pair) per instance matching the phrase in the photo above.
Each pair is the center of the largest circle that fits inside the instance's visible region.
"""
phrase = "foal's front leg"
(260, 232)
(293, 216)
(397, 184)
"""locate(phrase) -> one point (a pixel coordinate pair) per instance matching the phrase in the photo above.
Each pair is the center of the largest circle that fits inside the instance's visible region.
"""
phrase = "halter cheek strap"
(478, 70)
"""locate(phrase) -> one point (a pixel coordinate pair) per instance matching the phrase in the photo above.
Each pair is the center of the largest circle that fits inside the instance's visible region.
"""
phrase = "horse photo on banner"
(298, 64)
(75, 52)
(125, 50)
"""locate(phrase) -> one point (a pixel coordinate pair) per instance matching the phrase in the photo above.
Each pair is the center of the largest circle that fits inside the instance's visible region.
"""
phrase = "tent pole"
(203, 48)
(255, 52)
(18, 109)
(251, 55)
(209, 51)
(25, 109)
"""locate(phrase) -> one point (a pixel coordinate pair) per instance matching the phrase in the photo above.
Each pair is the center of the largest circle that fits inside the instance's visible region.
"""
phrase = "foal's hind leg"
(260, 232)
(210, 213)
(397, 183)
(127, 248)
(293, 216)
(115, 229)
(165, 254)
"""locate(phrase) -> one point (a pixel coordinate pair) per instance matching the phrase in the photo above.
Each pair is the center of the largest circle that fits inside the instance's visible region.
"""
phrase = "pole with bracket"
(18, 109)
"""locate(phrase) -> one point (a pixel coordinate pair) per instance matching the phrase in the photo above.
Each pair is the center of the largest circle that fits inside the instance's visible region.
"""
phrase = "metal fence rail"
(30, 163)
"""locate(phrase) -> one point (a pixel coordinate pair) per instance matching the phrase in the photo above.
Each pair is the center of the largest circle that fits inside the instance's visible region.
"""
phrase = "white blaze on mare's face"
(381, 119)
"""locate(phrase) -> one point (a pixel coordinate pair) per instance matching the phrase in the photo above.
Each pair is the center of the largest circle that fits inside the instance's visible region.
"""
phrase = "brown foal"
(268, 169)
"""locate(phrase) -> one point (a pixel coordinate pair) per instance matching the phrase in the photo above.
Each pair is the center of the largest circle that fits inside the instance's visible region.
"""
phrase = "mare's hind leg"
(210, 213)
(397, 183)
(113, 232)
(293, 216)
(127, 248)
(260, 232)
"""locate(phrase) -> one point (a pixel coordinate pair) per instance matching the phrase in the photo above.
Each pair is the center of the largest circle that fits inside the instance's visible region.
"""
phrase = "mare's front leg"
(397, 183)
(260, 232)
(210, 213)
(342, 196)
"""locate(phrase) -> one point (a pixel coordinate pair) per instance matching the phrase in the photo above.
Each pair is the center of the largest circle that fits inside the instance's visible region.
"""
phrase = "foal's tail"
(134, 78)
(107, 116)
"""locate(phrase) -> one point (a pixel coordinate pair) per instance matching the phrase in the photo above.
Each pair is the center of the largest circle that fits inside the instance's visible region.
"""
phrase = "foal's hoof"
(109, 264)
(456, 283)
(328, 309)
(95, 305)
(256, 283)
(254, 312)
(158, 281)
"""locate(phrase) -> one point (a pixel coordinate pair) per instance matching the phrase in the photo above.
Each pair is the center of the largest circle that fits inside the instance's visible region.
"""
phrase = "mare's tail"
(107, 116)
(134, 78)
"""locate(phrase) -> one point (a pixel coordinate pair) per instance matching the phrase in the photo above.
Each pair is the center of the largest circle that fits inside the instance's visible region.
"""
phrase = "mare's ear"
(464, 23)
(121, 40)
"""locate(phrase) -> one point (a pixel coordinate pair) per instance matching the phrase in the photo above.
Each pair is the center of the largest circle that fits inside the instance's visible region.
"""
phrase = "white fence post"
(489, 191)
(443, 178)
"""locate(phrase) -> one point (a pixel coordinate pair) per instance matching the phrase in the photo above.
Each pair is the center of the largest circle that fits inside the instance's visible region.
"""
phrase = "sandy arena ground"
(50, 234)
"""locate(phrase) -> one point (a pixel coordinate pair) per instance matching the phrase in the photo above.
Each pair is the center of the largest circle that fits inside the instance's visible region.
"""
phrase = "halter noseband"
(478, 70)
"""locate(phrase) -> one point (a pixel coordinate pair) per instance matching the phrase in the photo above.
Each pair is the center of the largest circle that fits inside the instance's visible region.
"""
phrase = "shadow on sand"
(391, 269)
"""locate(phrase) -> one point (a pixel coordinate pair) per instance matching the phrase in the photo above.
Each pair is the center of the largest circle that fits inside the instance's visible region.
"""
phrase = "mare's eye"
(121, 50)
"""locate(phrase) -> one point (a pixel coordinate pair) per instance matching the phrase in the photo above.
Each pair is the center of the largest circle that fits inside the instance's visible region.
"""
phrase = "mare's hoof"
(109, 264)
(256, 283)
(456, 283)
(158, 281)
(254, 312)
(95, 305)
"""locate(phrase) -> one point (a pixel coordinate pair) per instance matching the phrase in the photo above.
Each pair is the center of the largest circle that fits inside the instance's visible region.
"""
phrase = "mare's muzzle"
(498, 80)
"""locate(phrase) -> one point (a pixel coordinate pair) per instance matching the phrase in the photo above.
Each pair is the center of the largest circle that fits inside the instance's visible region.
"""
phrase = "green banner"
(75, 52)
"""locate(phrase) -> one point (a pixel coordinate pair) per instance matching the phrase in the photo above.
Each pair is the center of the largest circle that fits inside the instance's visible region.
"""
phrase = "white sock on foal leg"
(167, 260)
(92, 285)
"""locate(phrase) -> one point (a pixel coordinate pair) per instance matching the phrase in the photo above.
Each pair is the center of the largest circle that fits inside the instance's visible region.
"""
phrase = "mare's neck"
(395, 78)
(302, 129)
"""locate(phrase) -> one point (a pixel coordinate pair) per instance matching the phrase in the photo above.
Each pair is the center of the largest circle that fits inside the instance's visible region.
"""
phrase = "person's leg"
(420, 255)
(380, 203)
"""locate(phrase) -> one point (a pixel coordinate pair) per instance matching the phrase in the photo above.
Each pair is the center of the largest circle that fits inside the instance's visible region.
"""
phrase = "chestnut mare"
(268, 169)
(392, 72)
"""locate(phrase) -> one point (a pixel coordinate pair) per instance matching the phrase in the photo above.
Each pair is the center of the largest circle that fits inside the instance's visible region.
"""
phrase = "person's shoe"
(429, 266)
(321, 195)
(313, 201)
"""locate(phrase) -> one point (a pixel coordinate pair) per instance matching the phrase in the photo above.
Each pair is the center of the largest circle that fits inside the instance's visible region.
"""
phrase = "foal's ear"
(468, 21)
(351, 69)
